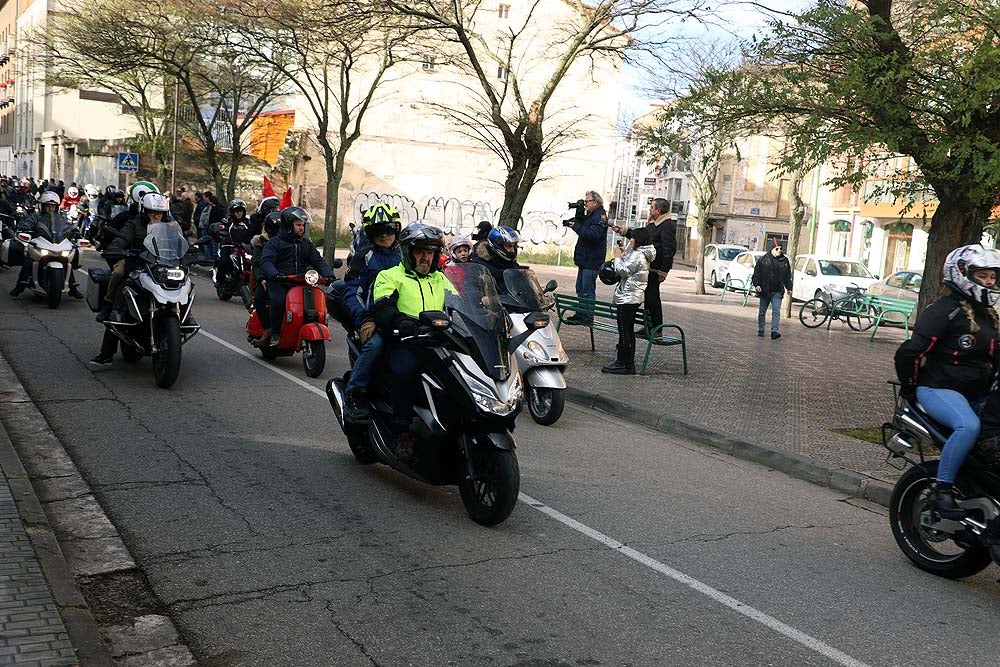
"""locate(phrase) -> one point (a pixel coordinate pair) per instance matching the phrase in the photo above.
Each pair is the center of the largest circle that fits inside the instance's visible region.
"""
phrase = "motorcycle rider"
(499, 253)
(290, 252)
(951, 360)
(49, 223)
(267, 206)
(381, 225)
(132, 235)
(23, 197)
(460, 249)
(257, 282)
(238, 223)
(401, 293)
(71, 198)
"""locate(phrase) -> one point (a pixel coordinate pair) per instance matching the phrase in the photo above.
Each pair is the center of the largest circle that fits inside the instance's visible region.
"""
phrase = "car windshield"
(523, 291)
(472, 298)
(843, 268)
(727, 254)
(165, 242)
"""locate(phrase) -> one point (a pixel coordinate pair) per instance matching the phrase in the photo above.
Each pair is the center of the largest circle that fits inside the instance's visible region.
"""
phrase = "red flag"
(268, 189)
(286, 201)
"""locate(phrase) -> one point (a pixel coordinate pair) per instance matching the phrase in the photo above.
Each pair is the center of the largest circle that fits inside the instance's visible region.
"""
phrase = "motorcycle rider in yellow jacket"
(401, 294)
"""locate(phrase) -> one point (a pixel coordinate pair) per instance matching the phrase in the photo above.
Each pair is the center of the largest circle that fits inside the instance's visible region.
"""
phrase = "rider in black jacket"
(498, 254)
(951, 360)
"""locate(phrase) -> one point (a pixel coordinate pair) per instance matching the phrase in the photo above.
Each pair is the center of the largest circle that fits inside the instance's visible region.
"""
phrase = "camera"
(580, 212)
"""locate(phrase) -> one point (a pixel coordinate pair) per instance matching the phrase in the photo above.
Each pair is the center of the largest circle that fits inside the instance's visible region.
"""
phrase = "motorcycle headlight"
(486, 398)
(66, 253)
(535, 349)
(43, 253)
(168, 274)
(312, 277)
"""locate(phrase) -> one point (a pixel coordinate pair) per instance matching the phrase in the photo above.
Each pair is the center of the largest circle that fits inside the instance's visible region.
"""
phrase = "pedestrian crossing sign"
(128, 162)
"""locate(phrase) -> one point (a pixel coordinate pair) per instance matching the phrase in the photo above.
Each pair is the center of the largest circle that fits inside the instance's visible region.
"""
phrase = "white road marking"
(797, 636)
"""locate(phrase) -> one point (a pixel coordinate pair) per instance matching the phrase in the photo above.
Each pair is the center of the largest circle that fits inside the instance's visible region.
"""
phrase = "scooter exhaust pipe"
(335, 393)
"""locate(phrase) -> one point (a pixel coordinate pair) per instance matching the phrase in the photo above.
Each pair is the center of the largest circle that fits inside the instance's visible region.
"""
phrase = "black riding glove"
(407, 327)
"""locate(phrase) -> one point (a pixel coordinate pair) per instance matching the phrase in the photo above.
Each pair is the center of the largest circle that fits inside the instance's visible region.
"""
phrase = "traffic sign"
(128, 162)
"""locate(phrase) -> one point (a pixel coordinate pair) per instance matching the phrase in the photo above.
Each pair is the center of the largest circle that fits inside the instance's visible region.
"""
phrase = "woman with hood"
(631, 265)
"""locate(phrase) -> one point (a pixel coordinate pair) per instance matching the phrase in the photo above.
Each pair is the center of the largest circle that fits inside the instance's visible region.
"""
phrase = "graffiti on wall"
(457, 216)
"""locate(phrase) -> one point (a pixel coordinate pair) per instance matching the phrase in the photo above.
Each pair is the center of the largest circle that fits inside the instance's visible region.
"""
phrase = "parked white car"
(814, 277)
(718, 257)
(900, 285)
(740, 270)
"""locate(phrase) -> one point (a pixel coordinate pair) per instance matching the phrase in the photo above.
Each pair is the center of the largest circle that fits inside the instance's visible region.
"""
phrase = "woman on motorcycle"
(951, 360)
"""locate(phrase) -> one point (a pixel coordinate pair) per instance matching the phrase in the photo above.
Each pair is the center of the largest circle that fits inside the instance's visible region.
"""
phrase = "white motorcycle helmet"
(140, 189)
(154, 201)
(960, 266)
(73, 192)
(456, 243)
(48, 197)
(91, 190)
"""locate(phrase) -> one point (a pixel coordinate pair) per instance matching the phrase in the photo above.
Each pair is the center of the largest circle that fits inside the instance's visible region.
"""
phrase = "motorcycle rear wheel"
(930, 550)
(167, 358)
(314, 357)
(546, 404)
(223, 294)
(491, 496)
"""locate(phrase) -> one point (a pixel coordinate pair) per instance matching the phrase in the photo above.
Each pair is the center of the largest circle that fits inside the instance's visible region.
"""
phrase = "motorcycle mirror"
(550, 287)
(435, 319)
(338, 263)
(23, 237)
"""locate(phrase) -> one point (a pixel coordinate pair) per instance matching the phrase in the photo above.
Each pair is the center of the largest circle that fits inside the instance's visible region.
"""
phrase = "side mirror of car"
(877, 277)
(550, 286)
(435, 319)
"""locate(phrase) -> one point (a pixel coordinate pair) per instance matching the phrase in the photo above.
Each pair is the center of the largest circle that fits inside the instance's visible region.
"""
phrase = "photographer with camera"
(663, 233)
(591, 226)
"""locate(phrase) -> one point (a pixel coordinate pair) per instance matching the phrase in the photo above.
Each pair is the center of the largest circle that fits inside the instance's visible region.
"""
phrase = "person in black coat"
(498, 254)
(772, 277)
(591, 226)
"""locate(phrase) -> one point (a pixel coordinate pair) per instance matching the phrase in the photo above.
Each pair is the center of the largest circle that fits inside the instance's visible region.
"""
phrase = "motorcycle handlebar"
(301, 278)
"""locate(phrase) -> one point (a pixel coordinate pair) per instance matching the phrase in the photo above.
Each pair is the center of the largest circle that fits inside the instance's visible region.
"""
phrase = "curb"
(795, 465)
(76, 616)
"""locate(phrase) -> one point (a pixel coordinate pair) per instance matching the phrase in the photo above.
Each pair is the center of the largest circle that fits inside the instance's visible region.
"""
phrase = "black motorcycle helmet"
(271, 223)
(237, 205)
(110, 191)
(606, 274)
(267, 205)
(292, 214)
(420, 235)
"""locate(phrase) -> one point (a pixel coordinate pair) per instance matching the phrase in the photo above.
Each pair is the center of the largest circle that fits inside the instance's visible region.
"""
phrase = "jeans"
(774, 300)
(586, 287)
(277, 293)
(405, 368)
(361, 372)
(952, 409)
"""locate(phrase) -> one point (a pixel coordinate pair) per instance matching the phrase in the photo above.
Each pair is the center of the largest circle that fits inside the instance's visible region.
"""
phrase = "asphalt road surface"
(238, 497)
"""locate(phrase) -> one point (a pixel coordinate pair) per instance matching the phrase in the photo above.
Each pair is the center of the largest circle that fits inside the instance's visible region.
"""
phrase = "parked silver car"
(900, 285)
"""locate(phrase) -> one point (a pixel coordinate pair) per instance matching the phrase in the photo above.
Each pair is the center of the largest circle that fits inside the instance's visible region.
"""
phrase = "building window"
(501, 72)
(503, 11)
(429, 63)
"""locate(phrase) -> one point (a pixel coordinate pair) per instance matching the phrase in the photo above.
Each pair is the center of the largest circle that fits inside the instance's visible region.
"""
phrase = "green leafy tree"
(867, 81)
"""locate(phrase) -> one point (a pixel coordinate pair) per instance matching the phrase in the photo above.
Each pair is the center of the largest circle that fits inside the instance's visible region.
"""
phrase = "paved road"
(238, 496)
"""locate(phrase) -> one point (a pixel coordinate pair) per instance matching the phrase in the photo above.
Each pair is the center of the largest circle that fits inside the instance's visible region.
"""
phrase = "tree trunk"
(334, 162)
(954, 224)
(520, 180)
(798, 214)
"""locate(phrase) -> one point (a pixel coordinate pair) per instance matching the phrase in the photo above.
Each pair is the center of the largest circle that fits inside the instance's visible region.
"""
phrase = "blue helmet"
(500, 237)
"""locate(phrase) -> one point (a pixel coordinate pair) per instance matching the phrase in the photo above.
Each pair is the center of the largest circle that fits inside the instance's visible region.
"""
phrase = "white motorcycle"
(52, 252)
(541, 356)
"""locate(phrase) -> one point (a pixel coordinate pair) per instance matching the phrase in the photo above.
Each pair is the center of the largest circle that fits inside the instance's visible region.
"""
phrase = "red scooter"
(303, 327)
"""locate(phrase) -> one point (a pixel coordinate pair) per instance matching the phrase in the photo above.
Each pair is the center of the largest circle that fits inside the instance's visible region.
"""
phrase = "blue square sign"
(128, 162)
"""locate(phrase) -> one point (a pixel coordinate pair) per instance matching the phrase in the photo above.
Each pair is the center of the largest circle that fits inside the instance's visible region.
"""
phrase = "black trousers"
(404, 365)
(626, 333)
(652, 303)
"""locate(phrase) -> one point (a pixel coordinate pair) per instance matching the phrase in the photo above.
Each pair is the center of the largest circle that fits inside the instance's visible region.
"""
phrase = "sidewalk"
(773, 401)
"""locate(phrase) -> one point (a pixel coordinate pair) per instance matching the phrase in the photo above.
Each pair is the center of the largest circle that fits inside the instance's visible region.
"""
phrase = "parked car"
(900, 285)
(718, 257)
(816, 277)
(740, 270)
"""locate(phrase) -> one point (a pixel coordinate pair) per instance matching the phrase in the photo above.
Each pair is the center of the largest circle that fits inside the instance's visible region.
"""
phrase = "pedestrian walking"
(772, 277)
(591, 227)
(631, 266)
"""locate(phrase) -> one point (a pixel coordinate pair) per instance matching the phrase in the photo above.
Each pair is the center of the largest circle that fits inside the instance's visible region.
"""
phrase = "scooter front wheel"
(313, 357)
(491, 495)
(546, 404)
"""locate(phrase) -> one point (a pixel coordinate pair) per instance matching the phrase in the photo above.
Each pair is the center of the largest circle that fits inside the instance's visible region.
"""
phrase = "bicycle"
(852, 308)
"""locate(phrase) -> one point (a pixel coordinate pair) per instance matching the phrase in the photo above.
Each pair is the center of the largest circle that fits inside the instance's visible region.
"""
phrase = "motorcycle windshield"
(523, 290)
(476, 301)
(52, 227)
(165, 242)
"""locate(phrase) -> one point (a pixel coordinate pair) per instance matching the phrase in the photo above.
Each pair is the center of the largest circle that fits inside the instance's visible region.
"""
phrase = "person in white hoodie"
(632, 268)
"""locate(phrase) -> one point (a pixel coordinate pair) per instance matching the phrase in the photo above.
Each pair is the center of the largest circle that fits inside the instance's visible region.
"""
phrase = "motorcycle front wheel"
(931, 550)
(167, 357)
(546, 404)
(490, 497)
(57, 277)
(313, 357)
(223, 294)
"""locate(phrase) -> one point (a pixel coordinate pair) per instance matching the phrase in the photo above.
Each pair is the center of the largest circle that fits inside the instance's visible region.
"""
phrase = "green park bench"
(744, 287)
(881, 306)
(606, 319)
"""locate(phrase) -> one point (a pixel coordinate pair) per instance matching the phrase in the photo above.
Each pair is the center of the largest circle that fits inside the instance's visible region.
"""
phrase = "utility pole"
(173, 158)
